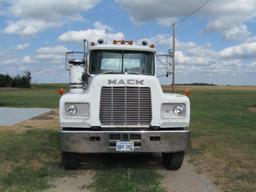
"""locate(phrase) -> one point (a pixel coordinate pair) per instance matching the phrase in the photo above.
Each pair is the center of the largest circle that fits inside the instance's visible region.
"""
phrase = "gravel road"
(184, 180)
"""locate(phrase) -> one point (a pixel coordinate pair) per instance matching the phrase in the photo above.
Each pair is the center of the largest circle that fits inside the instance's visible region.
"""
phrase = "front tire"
(173, 161)
(70, 161)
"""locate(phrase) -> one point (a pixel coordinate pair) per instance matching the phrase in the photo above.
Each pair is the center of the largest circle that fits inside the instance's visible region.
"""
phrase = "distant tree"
(2, 81)
(17, 81)
(8, 80)
(26, 79)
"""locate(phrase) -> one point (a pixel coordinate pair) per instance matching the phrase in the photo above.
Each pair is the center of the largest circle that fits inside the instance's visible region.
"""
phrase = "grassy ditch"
(224, 137)
(28, 160)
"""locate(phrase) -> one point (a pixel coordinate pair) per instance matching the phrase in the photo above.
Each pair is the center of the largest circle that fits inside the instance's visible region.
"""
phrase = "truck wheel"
(173, 161)
(70, 161)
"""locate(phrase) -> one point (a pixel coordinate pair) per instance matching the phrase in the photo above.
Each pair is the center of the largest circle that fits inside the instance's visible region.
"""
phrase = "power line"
(180, 21)
(194, 12)
(186, 17)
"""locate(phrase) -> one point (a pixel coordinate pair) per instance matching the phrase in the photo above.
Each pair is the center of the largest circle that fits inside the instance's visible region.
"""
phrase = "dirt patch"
(252, 108)
(77, 183)
(228, 167)
(46, 116)
(186, 180)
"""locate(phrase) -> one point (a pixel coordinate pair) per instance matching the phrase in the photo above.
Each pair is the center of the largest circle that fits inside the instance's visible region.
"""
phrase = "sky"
(215, 45)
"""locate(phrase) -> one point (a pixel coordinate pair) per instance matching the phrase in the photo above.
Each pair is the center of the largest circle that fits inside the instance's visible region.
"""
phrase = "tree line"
(23, 81)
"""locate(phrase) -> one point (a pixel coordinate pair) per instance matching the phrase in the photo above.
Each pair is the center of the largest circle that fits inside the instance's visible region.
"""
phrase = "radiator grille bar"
(125, 106)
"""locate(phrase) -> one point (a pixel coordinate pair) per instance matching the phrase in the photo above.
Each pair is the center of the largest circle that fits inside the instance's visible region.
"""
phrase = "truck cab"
(116, 105)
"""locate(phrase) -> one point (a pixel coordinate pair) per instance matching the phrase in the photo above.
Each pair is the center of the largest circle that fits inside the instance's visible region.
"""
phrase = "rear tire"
(173, 161)
(70, 161)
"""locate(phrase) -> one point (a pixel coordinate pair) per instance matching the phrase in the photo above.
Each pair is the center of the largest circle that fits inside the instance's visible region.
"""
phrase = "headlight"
(173, 110)
(71, 109)
(179, 110)
(76, 110)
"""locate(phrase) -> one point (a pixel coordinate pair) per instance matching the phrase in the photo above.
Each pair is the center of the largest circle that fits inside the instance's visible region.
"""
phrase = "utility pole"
(173, 56)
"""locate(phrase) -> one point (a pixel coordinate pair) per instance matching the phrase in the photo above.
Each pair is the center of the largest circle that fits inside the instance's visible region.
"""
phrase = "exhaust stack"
(76, 68)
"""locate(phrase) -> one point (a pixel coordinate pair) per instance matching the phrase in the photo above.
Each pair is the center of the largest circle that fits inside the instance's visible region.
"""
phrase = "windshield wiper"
(110, 72)
(137, 73)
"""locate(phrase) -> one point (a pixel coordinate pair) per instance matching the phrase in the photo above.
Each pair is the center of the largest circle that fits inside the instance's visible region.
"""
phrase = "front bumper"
(105, 141)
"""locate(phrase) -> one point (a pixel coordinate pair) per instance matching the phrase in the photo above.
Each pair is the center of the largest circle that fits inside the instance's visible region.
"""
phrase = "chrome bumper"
(105, 141)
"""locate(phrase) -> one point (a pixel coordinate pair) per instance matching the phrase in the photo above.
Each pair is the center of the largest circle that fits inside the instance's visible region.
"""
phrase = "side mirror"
(85, 77)
(76, 62)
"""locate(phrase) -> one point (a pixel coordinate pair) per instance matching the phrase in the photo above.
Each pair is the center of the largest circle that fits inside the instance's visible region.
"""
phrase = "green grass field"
(28, 160)
(223, 144)
(41, 95)
(224, 137)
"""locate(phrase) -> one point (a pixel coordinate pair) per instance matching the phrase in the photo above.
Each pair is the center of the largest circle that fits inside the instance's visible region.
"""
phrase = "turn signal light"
(187, 92)
(123, 42)
(61, 91)
(92, 44)
(130, 42)
(152, 46)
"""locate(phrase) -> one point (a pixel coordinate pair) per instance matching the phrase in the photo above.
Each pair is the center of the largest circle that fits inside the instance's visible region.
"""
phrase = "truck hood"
(124, 80)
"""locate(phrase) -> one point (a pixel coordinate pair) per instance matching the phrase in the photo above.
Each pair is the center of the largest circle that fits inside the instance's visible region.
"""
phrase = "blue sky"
(214, 46)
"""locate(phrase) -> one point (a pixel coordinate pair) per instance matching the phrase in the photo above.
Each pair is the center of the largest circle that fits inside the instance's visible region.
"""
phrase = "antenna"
(85, 52)
(174, 36)
(173, 57)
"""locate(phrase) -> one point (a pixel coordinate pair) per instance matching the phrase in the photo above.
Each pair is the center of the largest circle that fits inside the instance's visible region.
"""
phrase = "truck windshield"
(118, 62)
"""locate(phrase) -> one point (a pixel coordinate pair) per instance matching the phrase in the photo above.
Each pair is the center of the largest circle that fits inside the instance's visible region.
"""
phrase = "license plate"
(124, 146)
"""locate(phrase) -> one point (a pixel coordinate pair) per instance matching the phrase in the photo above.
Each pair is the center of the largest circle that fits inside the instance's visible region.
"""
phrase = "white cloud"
(167, 21)
(23, 46)
(54, 54)
(192, 58)
(239, 32)
(244, 50)
(228, 17)
(229, 27)
(101, 26)
(27, 59)
(49, 10)
(91, 34)
(250, 39)
(27, 27)
(9, 62)
(34, 17)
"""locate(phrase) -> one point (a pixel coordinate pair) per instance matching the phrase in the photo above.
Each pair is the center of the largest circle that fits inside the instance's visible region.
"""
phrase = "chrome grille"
(125, 106)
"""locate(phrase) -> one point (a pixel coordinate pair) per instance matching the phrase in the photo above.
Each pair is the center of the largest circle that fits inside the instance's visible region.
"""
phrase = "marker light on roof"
(123, 42)
(100, 41)
(130, 42)
(144, 42)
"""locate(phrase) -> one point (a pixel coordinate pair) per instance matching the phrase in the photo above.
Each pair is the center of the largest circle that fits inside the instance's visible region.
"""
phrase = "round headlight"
(71, 109)
(179, 110)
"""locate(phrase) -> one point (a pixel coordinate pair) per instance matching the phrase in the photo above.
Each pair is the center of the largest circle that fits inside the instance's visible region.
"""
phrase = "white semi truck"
(116, 105)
